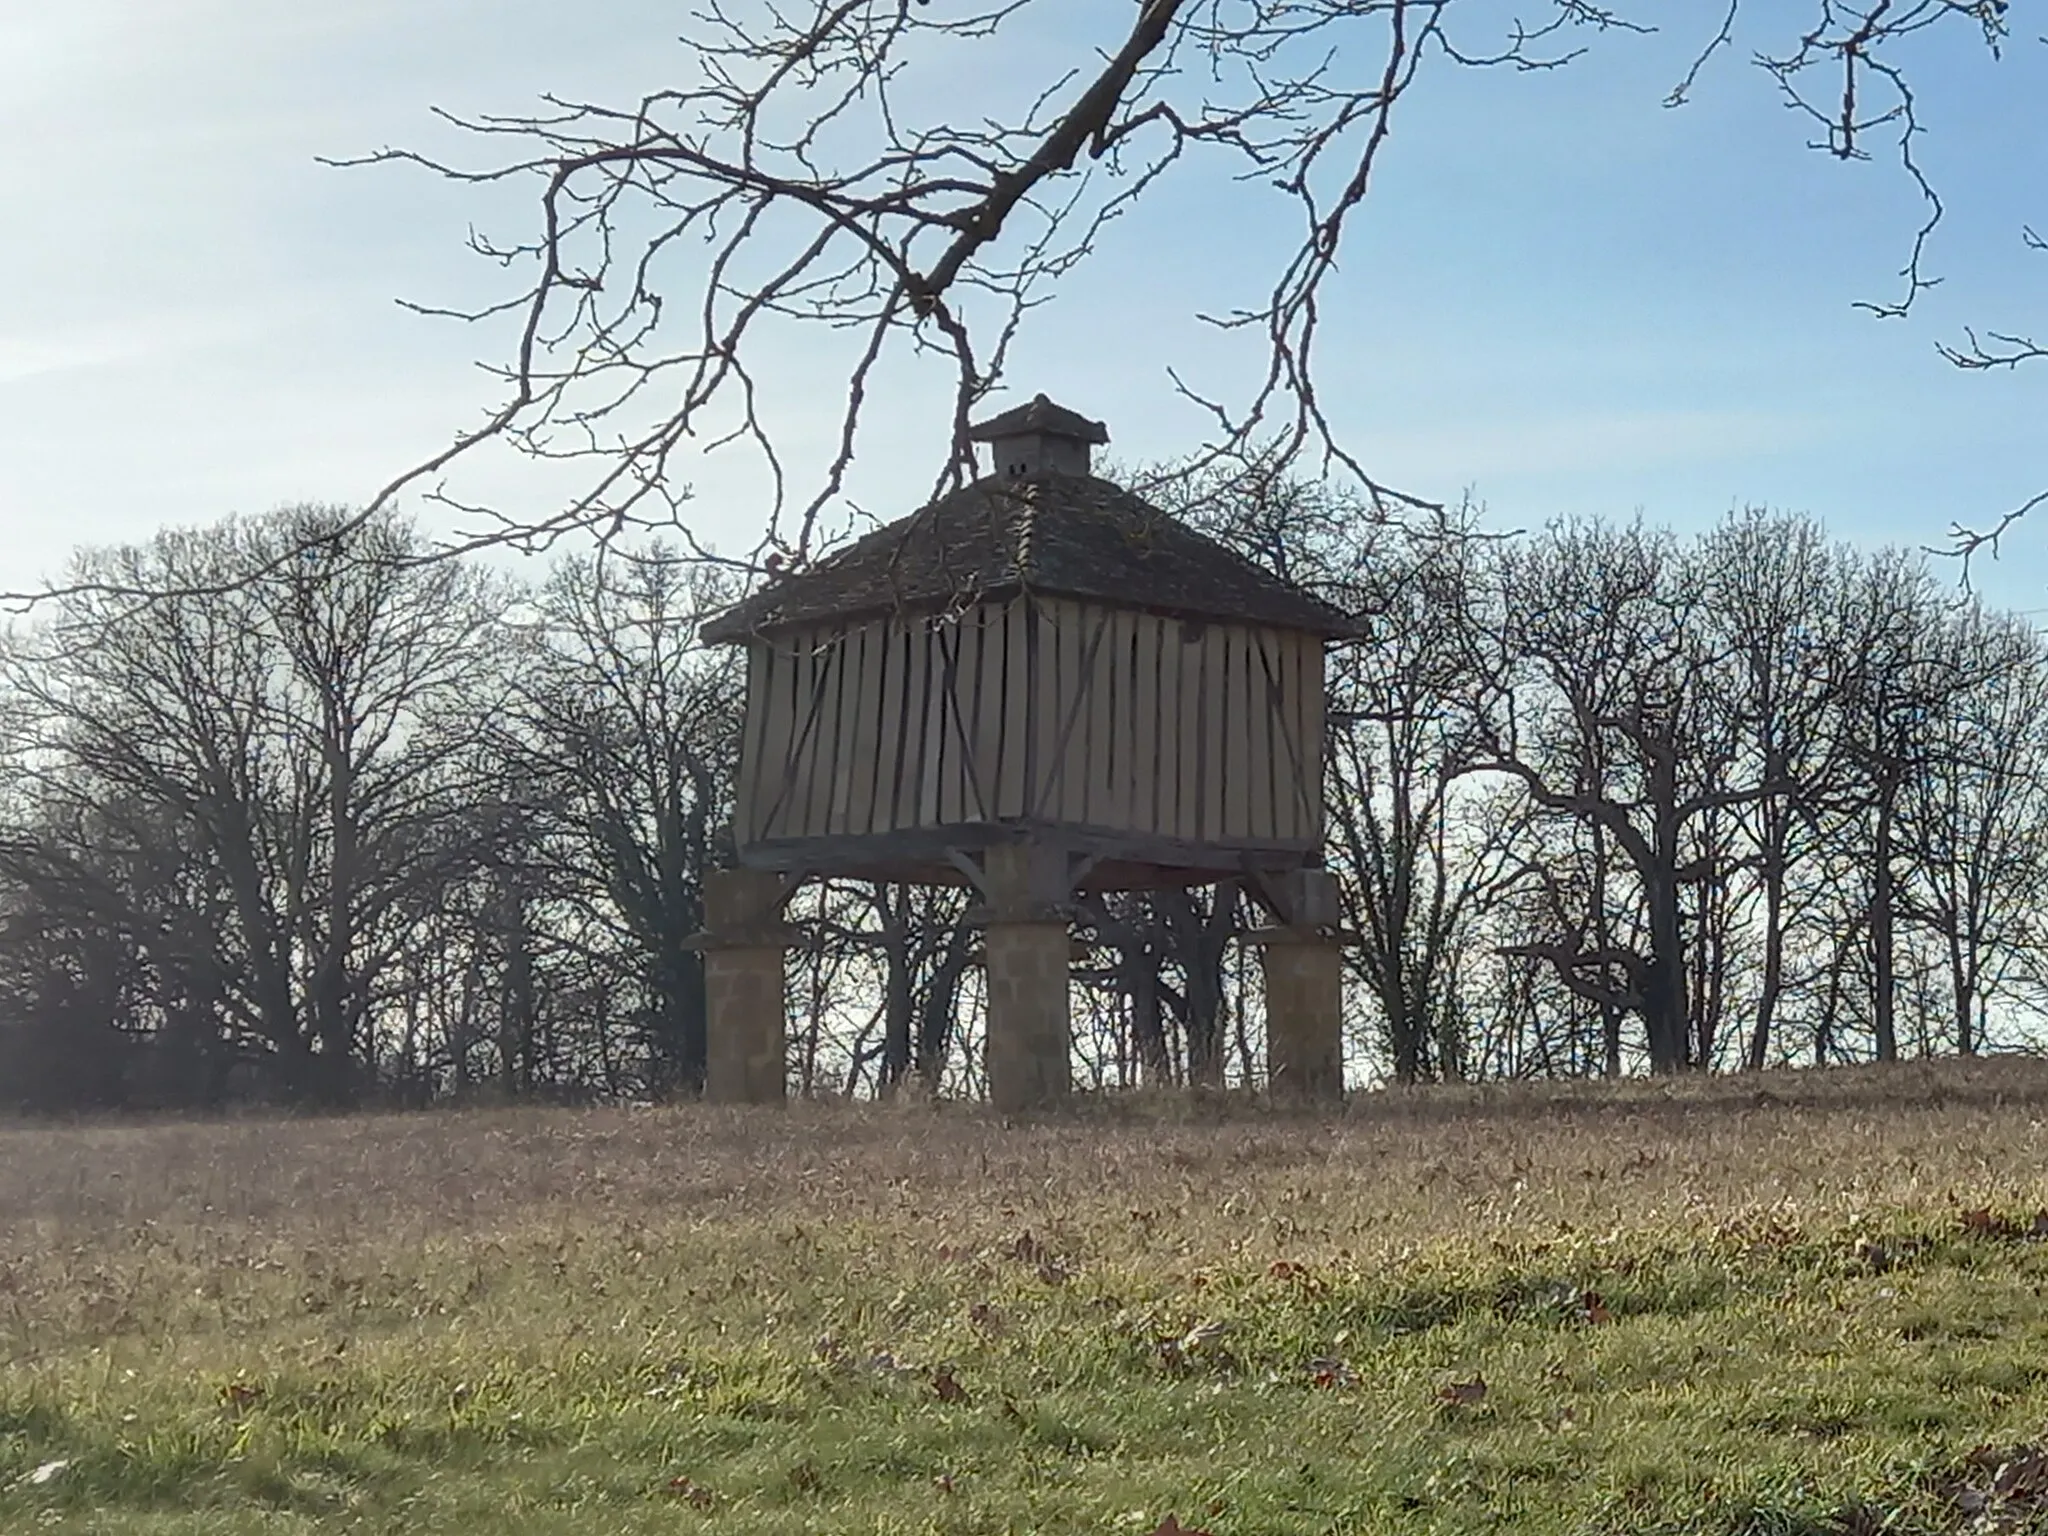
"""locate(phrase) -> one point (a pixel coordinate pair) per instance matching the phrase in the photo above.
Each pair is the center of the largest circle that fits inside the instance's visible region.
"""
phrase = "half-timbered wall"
(1043, 709)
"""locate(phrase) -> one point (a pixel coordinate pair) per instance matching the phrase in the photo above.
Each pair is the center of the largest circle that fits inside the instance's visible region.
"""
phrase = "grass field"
(1794, 1303)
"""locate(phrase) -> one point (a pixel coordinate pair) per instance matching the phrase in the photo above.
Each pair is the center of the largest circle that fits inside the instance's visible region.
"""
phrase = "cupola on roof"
(1039, 436)
(1041, 522)
(1040, 414)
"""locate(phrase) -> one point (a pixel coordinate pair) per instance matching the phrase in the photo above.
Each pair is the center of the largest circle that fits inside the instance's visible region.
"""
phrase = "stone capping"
(985, 915)
(743, 910)
(754, 936)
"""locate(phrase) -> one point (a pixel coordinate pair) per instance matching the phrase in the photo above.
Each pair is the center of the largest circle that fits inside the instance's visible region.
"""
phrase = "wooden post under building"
(1042, 686)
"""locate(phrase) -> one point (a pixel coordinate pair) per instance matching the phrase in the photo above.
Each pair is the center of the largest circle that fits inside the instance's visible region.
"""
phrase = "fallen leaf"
(1171, 1526)
(985, 1317)
(1464, 1394)
(2016, 1493)
(691, 1492)
(947, 1386)
(1327, 1371)
(1879, 1258)
(241, 1395)
(2024, 1475)
(1983, 1223)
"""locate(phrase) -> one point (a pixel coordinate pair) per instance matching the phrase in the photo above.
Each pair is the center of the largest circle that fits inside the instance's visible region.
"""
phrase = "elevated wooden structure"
(1041, 685)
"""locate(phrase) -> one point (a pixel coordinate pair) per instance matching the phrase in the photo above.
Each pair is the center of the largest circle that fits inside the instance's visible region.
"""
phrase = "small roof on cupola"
(1041, 524)
(1040, 415)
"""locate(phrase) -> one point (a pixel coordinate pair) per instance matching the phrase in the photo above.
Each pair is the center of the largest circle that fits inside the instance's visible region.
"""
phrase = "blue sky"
(1561, 296)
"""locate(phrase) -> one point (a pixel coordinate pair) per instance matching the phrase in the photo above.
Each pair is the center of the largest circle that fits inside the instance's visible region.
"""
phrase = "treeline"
(324, 822)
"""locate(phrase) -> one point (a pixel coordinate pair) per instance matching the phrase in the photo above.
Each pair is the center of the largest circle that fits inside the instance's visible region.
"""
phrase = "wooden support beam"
(1111, 860)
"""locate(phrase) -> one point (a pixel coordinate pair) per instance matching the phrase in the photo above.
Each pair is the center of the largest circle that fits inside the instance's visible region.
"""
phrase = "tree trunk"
(1665, 1015)
(897, 1001)
(1610, 1016)
(1774, 962)
(679, 1047)
(1199, 944)
(942, 1006)
(1404, 1032)
(1966, 1004)
(516, 1012)
(1148, 1031)
(1204, 1029)
(1883, 960)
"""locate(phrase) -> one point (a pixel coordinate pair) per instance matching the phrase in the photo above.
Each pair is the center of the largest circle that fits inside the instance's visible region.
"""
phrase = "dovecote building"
(1042, 686)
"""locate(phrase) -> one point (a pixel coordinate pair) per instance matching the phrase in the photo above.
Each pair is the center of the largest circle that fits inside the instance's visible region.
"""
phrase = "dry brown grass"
(218, 1252)
(1399, 1171)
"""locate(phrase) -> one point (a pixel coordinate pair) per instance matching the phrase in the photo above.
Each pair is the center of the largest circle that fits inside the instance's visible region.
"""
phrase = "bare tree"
(1600, 712)
(629, 729)
(306, 732)
(1997, 352)
(1417, 845)
(890, 178)
(1768, 585)
(104, 996)
(1897, 682)
(1970, 827)
(927, 946)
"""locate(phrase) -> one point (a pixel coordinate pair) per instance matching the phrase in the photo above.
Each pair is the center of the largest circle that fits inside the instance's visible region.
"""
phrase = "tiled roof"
(1066, 535)
(1039, 414)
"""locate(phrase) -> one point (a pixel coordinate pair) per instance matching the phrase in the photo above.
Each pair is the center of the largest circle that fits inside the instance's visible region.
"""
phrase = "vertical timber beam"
(745, 944)
(1303, 963)
(1029, 1026)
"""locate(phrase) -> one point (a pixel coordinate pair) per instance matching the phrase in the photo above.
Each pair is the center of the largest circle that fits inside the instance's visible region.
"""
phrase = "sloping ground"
(1791, 1303)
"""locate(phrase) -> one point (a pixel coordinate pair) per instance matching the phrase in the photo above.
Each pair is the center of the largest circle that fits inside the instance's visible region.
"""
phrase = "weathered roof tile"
(1040, 414)
(1065, 535)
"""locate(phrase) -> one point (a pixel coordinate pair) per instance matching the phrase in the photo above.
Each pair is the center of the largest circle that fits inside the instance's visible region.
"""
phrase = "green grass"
(682, 1320)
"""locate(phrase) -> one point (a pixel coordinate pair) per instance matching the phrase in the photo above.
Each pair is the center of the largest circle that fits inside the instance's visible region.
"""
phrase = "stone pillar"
(1304, 970)
(1029, 1026)
(1303, 963)
(744, 944)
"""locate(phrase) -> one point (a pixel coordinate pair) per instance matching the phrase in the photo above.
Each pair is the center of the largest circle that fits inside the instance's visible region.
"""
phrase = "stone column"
(1303, 963)
(1029, 1026)
(1304, 970)
(744, 945)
